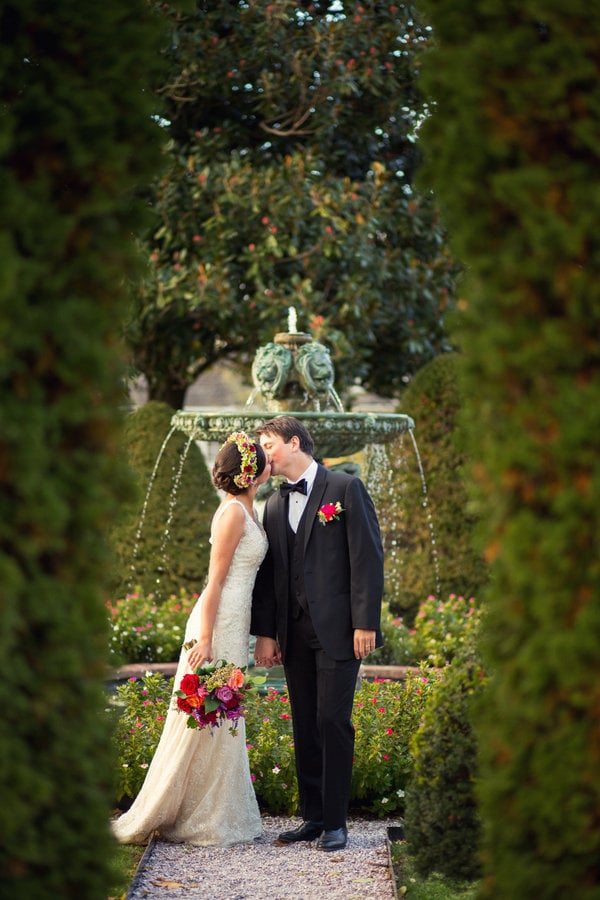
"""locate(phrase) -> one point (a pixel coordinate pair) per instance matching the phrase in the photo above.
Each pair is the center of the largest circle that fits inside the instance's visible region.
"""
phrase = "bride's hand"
(200, 654)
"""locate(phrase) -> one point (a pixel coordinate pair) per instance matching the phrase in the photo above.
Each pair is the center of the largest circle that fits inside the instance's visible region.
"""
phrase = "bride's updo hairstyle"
(238, 464)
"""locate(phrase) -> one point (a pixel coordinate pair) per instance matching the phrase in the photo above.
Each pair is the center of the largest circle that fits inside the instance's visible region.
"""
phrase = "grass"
(413, 886)
(125, 863)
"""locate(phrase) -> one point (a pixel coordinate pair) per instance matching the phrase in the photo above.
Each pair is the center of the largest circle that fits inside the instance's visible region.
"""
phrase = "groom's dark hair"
(288, 427)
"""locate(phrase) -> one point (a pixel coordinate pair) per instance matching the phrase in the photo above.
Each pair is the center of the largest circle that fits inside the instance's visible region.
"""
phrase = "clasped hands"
(267, 652)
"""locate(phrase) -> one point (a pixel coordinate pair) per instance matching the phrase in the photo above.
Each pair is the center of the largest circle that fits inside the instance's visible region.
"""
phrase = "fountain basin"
(335, 434)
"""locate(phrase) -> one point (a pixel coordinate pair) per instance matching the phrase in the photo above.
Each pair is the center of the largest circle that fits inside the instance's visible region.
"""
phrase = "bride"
(198, 787)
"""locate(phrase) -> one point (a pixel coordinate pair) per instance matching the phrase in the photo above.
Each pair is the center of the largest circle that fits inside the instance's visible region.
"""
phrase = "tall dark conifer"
(513, 152)
(76, 139)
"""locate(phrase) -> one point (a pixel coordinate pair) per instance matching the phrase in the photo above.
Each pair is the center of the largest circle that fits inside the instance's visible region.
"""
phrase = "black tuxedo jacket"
(342, 576)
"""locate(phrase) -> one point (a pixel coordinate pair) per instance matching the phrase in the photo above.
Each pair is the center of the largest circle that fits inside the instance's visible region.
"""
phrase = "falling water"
(336, 400)
(252, 396)
(138, 534)
(172, 501)
(425, 504)
(383, 483)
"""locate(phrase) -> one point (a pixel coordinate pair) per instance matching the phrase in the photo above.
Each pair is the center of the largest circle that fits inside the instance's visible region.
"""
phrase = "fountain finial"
(292, 320)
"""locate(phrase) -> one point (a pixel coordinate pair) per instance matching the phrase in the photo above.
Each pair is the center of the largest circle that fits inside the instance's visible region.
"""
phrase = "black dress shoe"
(308, 831)
(336, 839)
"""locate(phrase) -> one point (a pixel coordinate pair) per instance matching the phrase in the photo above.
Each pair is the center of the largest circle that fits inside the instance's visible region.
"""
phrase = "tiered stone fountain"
(294, 375)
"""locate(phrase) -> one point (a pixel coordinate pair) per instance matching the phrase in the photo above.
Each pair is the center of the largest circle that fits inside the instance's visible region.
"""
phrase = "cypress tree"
(76, 138)
(513, 151)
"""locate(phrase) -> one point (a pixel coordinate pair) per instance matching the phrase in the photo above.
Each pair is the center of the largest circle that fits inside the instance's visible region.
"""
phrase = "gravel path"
(265, 871)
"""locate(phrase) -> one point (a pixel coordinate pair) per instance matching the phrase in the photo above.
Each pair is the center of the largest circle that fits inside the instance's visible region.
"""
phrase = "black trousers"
(321, 691)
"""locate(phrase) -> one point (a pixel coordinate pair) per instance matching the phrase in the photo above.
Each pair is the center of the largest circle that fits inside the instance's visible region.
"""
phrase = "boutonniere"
(329, 512)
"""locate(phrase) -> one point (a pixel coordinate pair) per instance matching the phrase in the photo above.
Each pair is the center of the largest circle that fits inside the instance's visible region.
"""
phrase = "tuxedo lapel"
(277, 526)
(314, 501)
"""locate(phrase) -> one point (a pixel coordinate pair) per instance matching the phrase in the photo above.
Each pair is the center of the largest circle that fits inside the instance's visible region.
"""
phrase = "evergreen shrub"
(77, 140)
(442, 821)
(428, 538)
(172, 550)
(513, 153)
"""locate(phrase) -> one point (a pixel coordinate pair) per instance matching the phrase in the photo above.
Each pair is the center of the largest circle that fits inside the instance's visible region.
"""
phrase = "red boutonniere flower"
(329, 512)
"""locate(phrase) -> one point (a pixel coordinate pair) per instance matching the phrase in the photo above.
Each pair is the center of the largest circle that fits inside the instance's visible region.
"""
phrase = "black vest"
(295, 541)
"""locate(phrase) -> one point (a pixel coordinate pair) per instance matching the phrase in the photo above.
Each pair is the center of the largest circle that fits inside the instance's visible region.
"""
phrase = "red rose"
(183, 705)
(189, 684)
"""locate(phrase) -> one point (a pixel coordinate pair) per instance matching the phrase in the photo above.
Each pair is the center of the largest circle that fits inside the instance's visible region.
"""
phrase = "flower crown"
(249, 464)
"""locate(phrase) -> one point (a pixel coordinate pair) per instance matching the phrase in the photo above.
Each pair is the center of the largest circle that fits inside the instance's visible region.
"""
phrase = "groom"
(316, 607)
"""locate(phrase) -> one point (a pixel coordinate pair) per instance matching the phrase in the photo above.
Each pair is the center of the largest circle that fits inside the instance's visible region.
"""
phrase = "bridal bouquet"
(214, 694)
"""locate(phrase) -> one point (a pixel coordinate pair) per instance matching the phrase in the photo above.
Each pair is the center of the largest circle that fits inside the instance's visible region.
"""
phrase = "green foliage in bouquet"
(145, 630)
(442, 820)
(173, 548)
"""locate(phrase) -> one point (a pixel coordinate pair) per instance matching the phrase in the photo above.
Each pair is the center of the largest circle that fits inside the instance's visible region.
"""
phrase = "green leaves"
(291, 163)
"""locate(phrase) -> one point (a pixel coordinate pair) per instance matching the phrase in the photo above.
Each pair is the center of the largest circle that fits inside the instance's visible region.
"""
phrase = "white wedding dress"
(198, 788)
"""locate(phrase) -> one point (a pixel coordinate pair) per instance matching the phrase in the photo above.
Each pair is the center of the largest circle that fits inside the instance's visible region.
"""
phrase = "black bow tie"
(288, 486)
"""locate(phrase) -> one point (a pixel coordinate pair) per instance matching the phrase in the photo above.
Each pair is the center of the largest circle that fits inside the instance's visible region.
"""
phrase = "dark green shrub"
(415, 566)
(513, 153)
(173, 547)
(442, 821)
(77, 138)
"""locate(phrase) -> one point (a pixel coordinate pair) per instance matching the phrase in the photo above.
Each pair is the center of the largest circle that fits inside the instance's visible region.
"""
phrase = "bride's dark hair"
(227, 467)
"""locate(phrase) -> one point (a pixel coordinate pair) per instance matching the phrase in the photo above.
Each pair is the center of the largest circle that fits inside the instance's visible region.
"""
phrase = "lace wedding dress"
(198, 788)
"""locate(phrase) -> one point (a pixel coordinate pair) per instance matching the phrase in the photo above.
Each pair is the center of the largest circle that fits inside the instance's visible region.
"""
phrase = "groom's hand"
(364, 643)
(266, 652)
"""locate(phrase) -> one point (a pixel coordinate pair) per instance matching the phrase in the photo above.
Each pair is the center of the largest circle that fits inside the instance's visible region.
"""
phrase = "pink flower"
(225, 694)
(330, 511)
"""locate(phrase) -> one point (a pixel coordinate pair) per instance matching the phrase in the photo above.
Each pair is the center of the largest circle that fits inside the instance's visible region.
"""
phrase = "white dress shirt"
(297, 501)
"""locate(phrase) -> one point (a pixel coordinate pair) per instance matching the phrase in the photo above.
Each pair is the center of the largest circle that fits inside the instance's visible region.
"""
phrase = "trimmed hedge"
(433, 399)
(173, 547)
(76, 140)
(443, 826)
(513, 151)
